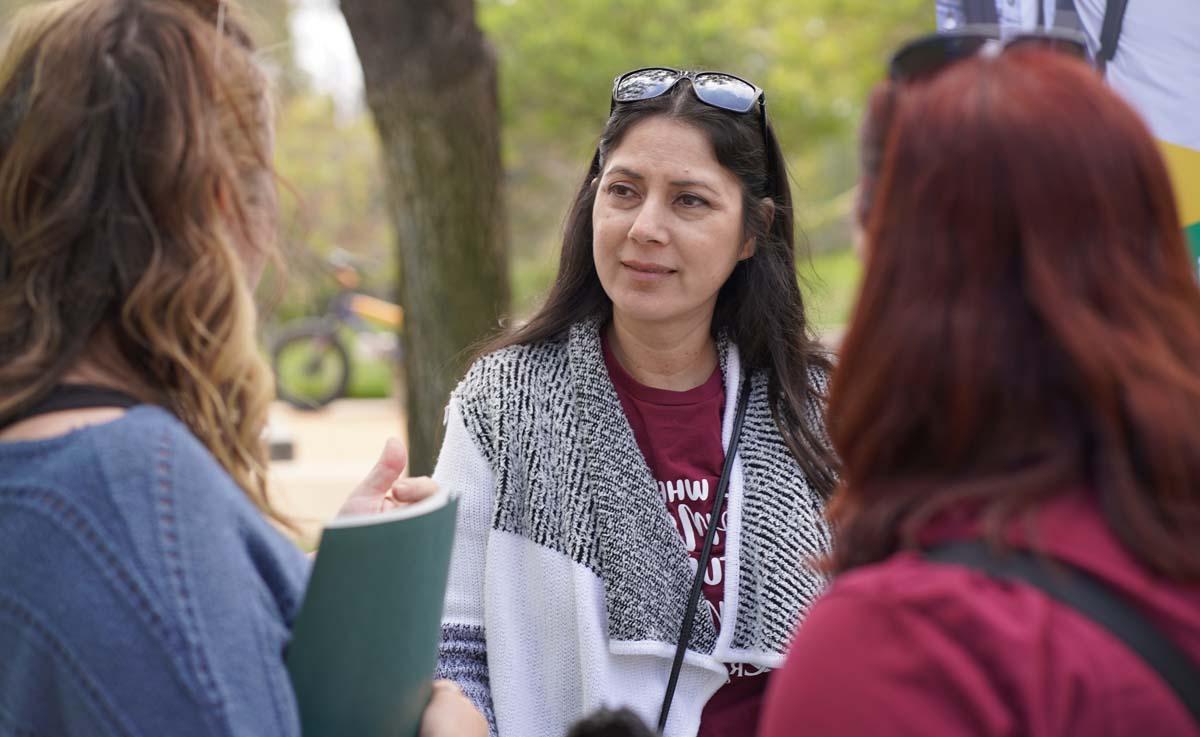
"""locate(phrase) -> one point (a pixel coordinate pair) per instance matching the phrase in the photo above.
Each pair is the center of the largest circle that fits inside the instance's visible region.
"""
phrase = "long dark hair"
(759, 307)
(1029, 323)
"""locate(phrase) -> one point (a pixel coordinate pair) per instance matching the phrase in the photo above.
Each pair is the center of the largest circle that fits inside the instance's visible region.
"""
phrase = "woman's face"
(666, 225)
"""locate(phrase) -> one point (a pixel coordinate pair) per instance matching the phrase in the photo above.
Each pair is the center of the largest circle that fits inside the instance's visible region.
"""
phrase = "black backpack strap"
(1093, 599)
(1110, 31)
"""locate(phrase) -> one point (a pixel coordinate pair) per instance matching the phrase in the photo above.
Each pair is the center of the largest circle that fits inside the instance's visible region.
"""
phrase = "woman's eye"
(691, 200)
(621, 190)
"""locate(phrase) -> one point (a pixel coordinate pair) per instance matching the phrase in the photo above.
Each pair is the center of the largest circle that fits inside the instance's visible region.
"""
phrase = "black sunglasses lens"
(644, 84)
(928, 55)
(1068, 46)
(725, 91)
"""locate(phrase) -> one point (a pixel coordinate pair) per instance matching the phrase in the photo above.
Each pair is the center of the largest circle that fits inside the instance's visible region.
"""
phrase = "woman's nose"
(650, 226)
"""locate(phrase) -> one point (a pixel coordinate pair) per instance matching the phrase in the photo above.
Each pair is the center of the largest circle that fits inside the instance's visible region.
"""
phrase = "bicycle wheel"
(312, 367)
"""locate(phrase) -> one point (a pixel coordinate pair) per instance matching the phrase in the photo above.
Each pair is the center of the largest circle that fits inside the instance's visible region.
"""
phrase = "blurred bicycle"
(311, 358)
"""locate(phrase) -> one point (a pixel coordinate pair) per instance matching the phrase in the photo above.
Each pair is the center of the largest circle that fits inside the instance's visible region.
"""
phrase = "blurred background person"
(1151, 56)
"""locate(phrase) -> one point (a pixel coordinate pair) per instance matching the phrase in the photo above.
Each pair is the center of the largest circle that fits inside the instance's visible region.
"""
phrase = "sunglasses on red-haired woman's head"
(928, 55)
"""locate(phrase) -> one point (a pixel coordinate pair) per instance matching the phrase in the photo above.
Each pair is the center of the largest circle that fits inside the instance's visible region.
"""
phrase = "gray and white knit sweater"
(569, 581)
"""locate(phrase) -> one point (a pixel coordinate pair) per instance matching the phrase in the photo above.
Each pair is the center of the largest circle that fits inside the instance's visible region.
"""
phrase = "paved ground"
(333, 448)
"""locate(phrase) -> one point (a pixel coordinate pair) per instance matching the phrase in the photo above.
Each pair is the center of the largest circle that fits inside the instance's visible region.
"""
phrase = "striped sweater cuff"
(462, 658)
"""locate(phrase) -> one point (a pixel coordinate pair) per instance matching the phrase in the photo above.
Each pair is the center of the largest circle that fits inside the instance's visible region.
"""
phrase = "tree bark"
(430, 79)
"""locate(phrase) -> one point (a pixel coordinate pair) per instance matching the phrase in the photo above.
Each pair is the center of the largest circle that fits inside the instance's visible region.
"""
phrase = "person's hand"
(384, 487)
(451, 714)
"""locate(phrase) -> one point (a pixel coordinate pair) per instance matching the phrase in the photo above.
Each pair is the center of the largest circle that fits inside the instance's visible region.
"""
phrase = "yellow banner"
(1184, 165)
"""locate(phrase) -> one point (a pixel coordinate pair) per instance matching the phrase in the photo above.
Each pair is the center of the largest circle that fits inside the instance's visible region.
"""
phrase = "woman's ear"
(751, 245)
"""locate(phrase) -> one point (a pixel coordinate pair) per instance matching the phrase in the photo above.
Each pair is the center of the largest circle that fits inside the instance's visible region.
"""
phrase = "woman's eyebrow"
(694, 183)
(625, 172)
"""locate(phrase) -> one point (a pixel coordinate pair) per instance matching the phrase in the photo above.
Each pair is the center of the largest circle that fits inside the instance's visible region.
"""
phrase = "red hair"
(1028, 322)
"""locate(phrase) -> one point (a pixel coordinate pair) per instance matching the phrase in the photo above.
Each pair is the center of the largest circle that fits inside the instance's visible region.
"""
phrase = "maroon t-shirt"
(679, 434)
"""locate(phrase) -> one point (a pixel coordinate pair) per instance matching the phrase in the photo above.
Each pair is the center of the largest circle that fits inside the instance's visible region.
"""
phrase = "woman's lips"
(647, 271)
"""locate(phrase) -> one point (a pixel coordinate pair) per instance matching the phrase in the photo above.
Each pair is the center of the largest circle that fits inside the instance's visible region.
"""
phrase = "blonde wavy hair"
(137, 204)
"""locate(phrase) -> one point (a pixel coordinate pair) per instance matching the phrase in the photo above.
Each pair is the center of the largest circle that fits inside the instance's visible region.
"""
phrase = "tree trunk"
(430, 80)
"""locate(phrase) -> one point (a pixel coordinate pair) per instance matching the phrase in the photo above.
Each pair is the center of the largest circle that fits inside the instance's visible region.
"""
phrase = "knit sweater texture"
(569, 581)
(141, 593)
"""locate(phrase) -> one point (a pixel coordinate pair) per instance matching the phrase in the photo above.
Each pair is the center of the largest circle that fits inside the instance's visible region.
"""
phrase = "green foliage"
(370, 378)
(830, 282)
(332, 196)
(816, 58)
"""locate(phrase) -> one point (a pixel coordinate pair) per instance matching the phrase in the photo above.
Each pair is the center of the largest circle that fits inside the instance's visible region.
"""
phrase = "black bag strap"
(1110, 31)
(689, 616)
(1092, 598)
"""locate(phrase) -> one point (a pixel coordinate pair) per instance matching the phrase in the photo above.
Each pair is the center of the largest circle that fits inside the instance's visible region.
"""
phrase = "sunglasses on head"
(930, 54)
(718, 89)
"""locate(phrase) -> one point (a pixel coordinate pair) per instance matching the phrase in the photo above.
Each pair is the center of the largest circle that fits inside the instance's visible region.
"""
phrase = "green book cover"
(365, 643)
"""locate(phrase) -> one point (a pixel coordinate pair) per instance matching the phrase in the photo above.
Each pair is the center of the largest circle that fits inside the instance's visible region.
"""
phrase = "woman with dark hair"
(143, 588)
(1017, 398)
(589, 445)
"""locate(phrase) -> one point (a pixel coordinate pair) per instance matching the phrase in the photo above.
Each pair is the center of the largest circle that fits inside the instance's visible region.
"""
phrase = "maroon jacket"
(910, 647)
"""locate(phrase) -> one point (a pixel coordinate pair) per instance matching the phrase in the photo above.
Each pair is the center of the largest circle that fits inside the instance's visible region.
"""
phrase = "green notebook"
(364, 647)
